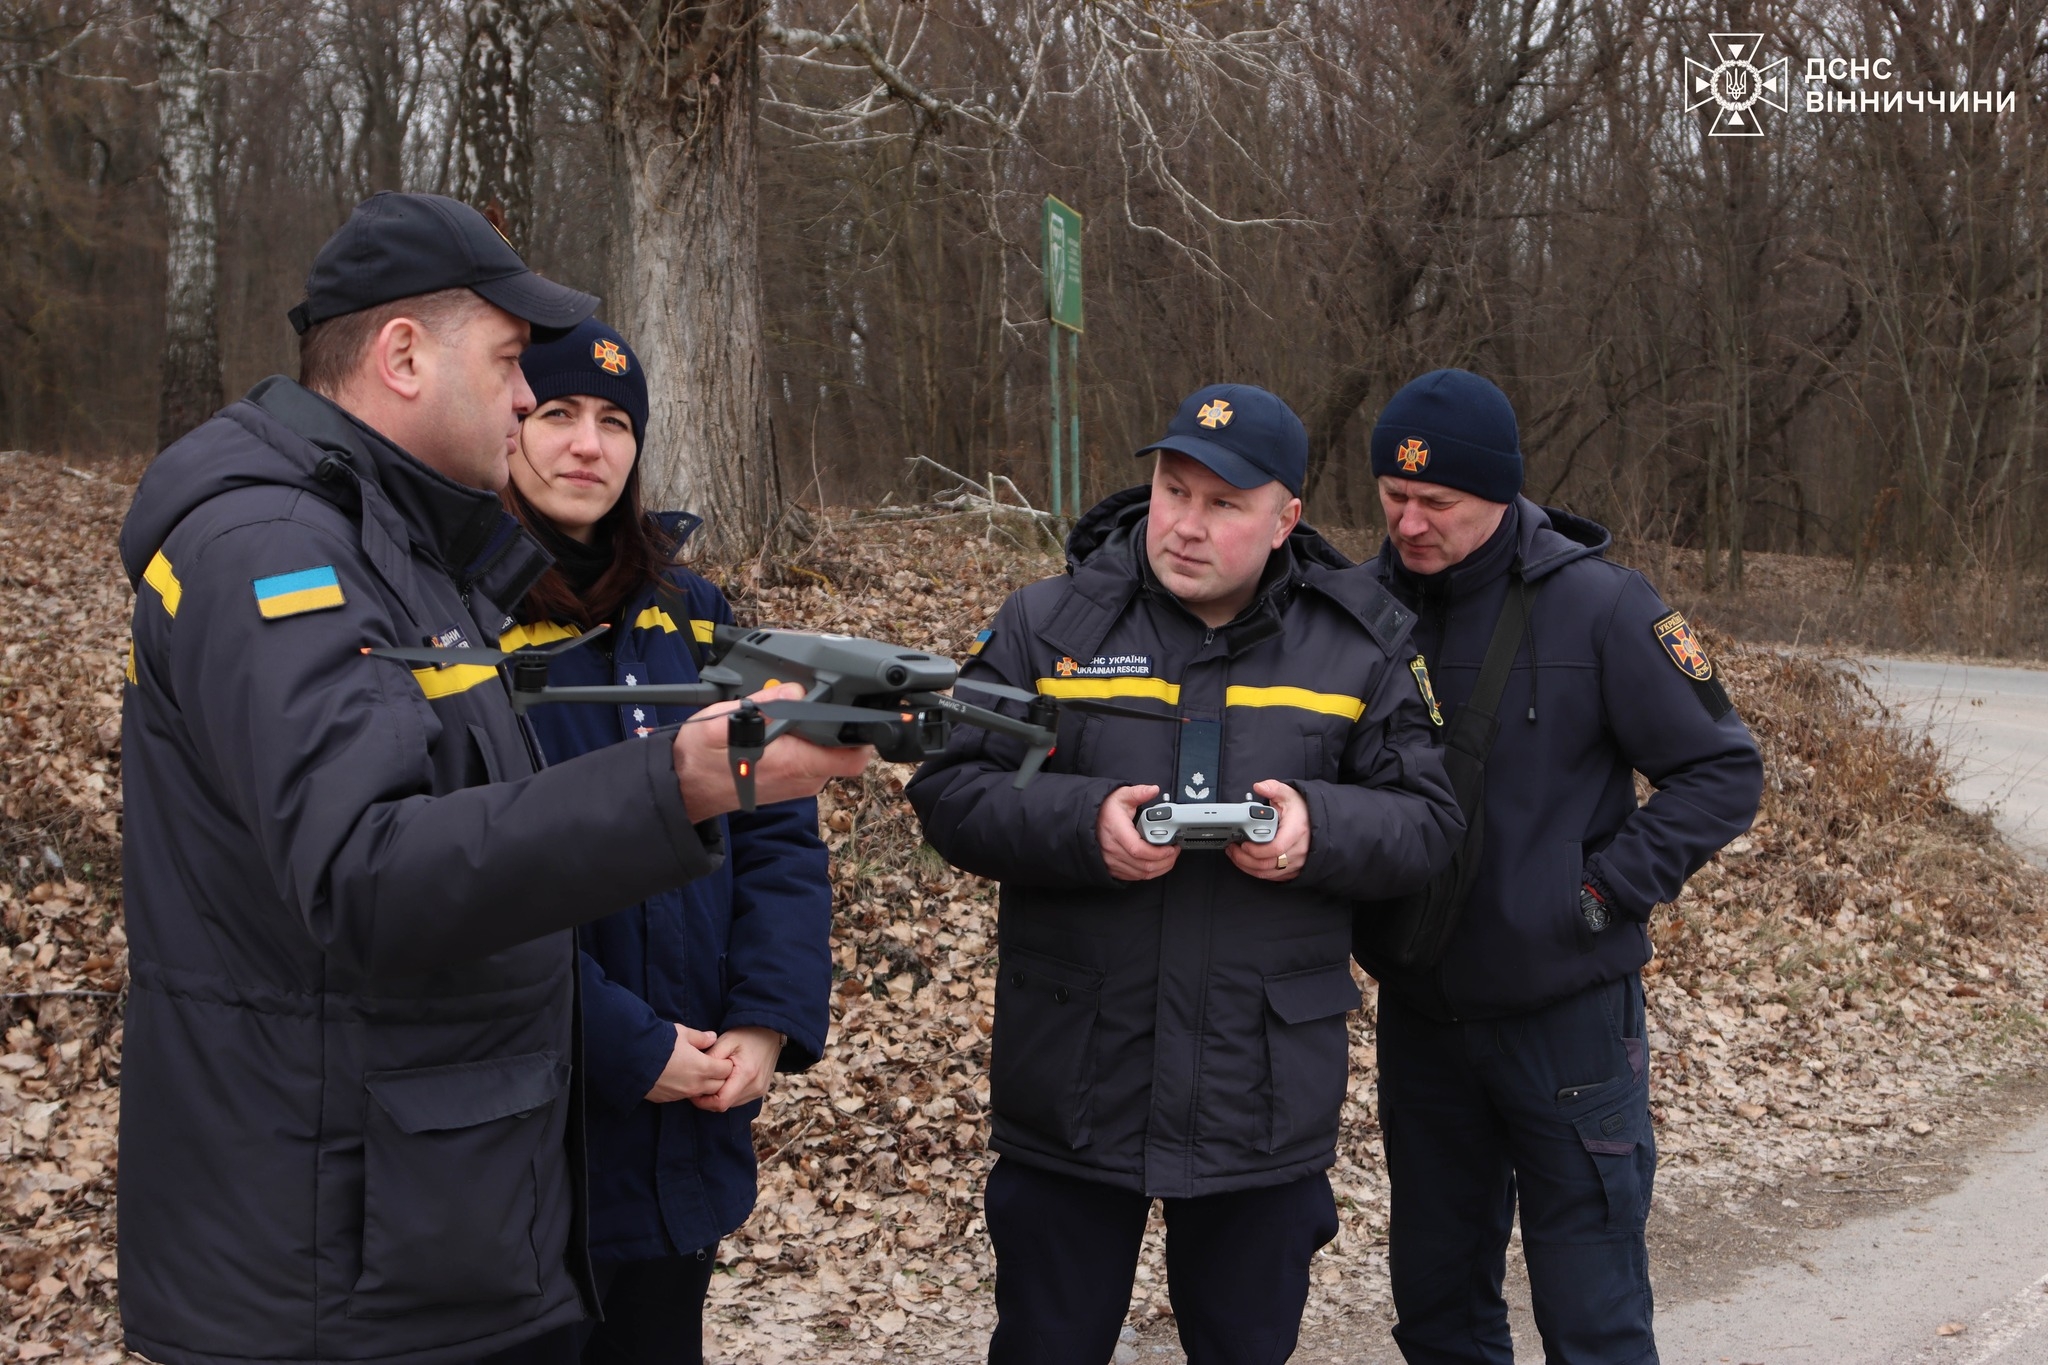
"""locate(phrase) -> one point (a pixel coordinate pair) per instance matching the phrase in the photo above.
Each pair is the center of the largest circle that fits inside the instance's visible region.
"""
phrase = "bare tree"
(494, 107)
(679, 83)
(188, 112)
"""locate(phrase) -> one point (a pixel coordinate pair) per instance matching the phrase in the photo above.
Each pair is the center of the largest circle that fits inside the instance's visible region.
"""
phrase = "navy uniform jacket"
(1186, 1036)
(747, 946)
(1597, 694)
(347, 1116)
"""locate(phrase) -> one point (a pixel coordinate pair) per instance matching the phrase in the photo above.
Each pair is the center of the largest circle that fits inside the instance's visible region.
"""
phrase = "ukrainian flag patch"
(291, 594)
(981, 639)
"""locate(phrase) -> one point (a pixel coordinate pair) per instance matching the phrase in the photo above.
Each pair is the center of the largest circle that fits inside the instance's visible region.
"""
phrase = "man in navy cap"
(1511, 1057)
(1170, 1022)
(349, 1115)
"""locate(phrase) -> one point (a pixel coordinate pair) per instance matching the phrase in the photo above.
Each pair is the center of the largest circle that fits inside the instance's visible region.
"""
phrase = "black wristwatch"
(1593, 910)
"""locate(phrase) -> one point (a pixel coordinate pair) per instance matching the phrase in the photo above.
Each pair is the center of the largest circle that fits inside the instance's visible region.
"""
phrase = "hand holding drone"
(856, 692)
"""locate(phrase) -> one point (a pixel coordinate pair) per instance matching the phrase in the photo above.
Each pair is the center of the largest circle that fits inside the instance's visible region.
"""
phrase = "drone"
(857, 691)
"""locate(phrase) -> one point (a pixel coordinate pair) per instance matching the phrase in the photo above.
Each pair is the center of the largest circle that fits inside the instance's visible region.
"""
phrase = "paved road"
(1994, 724)
(1878, 1291)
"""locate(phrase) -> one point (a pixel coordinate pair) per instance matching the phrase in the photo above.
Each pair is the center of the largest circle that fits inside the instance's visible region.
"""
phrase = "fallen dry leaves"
(1822, 992)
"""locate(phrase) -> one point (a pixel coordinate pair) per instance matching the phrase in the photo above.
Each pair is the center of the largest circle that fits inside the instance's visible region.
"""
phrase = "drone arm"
(972, 810)
(650, 694)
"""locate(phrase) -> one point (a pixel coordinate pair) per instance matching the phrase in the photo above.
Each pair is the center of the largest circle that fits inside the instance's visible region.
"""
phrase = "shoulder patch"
(981, 639)
(1683, 647)
(293, 594)
(1420, 669)
(1385, 619)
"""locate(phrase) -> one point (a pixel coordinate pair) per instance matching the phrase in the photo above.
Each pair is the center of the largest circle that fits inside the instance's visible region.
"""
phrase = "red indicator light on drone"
(745, 768)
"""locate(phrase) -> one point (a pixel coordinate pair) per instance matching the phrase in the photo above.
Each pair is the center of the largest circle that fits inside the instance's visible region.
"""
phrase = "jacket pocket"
(1043, 1070)
(483, 760)
(1613, 1124)
(1571, 876)
(1308, 1054)
(449, 1186)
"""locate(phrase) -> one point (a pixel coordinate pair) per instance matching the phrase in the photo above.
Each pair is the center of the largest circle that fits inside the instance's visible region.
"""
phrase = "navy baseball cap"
(395, 246)
(1244, 435)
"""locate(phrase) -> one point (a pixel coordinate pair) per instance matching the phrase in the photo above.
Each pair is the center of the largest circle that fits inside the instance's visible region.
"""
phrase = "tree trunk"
(687, 285)
(494, 108)
(189, 114)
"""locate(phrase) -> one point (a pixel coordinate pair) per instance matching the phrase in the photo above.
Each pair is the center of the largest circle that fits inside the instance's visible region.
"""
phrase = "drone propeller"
(482, 657)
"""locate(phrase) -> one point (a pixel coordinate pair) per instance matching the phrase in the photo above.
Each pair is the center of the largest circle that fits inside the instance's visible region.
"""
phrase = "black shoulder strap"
(1473, 729)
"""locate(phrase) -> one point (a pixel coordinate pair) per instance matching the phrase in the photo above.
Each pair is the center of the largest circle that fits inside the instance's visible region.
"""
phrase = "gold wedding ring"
(1282, 863)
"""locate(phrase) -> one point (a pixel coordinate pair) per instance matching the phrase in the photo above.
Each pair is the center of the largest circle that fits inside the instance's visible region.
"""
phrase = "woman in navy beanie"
(692, 1000)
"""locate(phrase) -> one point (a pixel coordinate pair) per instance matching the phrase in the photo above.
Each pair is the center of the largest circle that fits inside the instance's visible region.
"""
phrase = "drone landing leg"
(746, 735)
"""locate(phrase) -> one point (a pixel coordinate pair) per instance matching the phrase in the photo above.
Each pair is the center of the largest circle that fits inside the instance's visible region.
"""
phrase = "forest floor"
(1836, 1001)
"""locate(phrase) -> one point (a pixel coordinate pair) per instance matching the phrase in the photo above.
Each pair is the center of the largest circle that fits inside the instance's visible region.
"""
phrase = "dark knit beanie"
(595, 362)
(1453, 428)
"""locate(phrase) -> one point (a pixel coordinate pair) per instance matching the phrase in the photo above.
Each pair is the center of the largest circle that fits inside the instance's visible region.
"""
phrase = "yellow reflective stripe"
(159, 576)
(446, 682)
(130, 670)
(1329, 703)
(1159, 689)
(537, 633)
(654, 618)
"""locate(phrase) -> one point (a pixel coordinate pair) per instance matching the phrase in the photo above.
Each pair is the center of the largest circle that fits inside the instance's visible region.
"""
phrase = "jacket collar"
(467, 531)
(1533, 541)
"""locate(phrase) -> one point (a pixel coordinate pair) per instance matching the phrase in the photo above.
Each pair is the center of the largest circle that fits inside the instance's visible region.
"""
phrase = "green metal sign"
(1063, 308)
(1062, 265)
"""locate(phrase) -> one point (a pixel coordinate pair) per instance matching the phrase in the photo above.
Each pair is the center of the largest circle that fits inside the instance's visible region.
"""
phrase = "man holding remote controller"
(1170, 1019)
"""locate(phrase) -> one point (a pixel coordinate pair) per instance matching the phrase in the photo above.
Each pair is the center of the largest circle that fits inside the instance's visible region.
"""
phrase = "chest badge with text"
(1422, 684)
(1105, 666)
(1676, 635)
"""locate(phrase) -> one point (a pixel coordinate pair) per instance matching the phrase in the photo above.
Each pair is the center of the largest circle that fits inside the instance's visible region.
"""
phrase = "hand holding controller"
(1216, 824)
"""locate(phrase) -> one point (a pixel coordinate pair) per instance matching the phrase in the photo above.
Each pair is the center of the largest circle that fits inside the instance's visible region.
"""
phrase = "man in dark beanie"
(1512, 1064)
(348, 1120)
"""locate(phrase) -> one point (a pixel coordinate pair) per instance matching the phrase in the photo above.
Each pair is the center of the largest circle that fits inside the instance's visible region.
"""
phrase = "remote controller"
(1208, 825)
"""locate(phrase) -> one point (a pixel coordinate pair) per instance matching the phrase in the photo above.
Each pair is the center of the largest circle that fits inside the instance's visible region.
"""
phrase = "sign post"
(1063, 307)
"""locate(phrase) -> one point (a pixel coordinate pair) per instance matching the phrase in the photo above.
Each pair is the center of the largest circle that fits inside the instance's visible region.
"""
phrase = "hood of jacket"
(304, 441)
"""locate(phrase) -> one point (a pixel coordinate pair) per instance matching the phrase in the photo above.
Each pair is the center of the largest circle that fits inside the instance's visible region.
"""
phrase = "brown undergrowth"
(1825, 992)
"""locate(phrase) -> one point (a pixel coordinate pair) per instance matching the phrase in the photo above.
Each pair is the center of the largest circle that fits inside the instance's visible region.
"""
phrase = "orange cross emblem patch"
(1216, 414)
(1676, 635)
(608, 356)
(1413, 454)
(1066, 668)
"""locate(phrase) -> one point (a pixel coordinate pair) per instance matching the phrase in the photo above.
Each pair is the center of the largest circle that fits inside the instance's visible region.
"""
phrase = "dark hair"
(640, 552)
(330, 351)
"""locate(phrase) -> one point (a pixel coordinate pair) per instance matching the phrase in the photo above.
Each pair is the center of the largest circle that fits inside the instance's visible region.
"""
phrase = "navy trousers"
(1066, 1252)
(653, 1315)
(1550, 1109)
